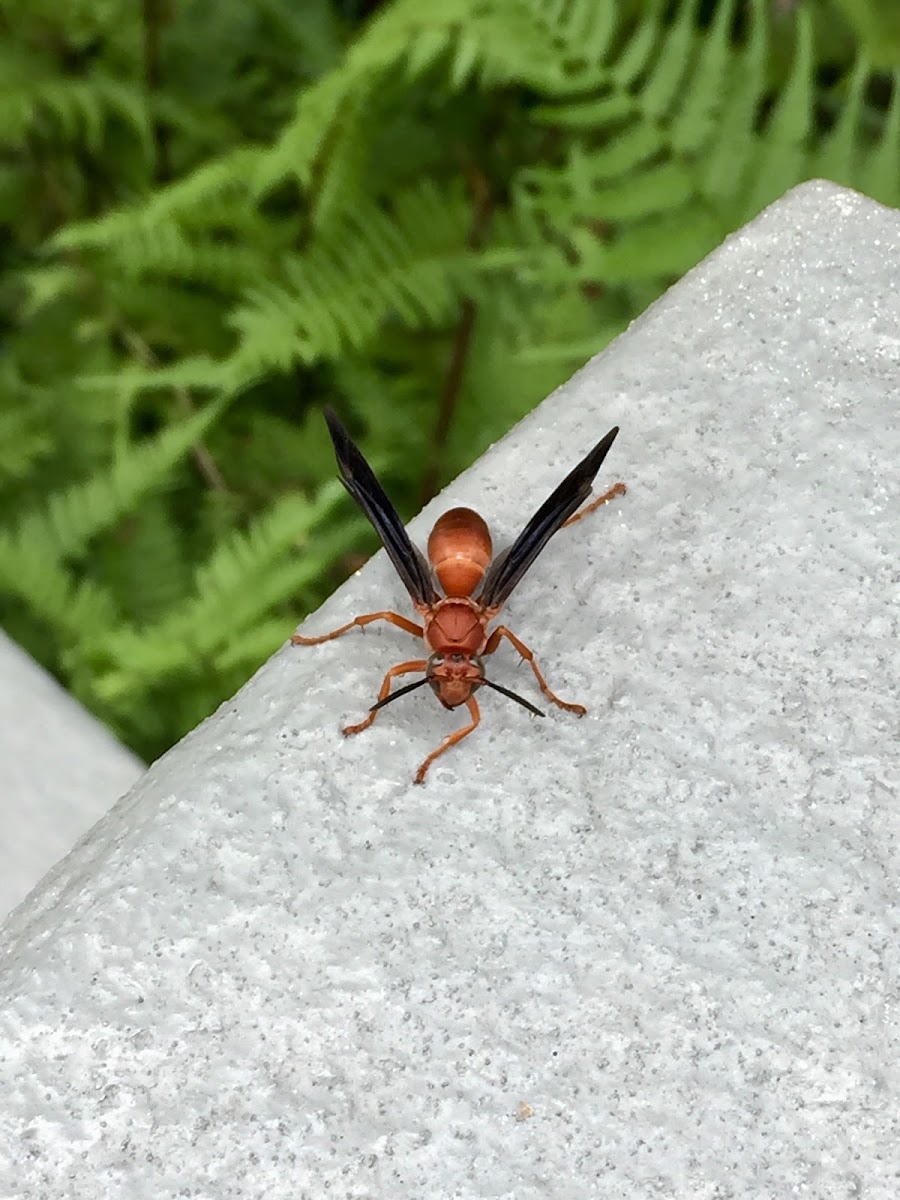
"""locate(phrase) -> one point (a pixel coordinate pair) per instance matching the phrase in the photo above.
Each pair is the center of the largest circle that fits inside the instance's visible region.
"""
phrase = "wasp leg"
(451, 740)
(403, 669)
(494, 641)
(395, 619)
(617, 489)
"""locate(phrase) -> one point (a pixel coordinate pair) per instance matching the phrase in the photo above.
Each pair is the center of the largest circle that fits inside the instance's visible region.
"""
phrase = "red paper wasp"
(460, 552)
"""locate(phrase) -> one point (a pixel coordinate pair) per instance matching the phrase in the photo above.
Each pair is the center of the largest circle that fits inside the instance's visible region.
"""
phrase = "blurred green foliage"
(219, 217)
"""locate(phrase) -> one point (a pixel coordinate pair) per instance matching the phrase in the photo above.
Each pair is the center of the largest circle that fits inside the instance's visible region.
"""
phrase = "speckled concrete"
(651, 953)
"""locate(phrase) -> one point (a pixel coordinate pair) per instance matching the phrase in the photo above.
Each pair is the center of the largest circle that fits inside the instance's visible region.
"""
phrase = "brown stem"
(205, 461)
(462, 340)
(155, 15)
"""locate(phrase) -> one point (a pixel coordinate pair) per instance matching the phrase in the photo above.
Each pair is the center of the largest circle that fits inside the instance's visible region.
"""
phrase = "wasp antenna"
(410, 687)
(512, 695)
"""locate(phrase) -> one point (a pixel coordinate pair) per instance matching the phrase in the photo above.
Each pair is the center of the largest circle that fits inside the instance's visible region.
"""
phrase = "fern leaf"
(374, 265)
(254, 645)
(198, 373)
(139, 248)
(80, 107)
(225, 176)
(143, 563)
(636, 145)
(586, 30)
(667, 186)
(243, 578)
(70, 609)
(879, 174)
(674, 54)
(664, 246)
(639, 50)
(780, 161)
(724, 171)
(340, 182)
(835, 158)
(62, 527)
(295, 152)
(407, 36)
(591, 114)
(22, 442)
(707, 83)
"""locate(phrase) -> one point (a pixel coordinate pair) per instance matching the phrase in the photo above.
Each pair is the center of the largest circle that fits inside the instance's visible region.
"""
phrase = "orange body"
(460, 552)
(456, 633)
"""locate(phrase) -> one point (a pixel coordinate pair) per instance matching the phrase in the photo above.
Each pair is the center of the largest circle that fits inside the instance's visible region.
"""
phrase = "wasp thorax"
(460, 550)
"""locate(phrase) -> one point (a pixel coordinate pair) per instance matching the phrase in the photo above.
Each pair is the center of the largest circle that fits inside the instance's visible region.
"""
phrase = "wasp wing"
(360, 481)
(508, 568)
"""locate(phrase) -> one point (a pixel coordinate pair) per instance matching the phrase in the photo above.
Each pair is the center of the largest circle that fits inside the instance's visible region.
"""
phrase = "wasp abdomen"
(460, 551)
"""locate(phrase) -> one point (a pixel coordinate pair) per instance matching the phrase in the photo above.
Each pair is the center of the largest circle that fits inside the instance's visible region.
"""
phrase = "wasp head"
(453, 677)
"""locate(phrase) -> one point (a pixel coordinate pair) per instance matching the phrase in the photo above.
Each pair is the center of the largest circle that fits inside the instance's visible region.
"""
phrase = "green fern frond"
(781, 154)
(660, 248)
(340, 179)
(24, 438)
(294, 153)
(199, 373)
(70, 609)
(669, 161)
(879, 173)
(585, 32)
(633, 62)
(164, 250)
(556, 49)
(268, 454)
(670, 185)
(725, 167)
(254, 646)
(224, 178)
(46, 285)
(410, 263)
(81, 108)
(62, 527)
(222, 606)
(675, 56)
(144, 563)
(707, 82)
(246, 555)
(409, 37)
(167, 252)
(836, 157)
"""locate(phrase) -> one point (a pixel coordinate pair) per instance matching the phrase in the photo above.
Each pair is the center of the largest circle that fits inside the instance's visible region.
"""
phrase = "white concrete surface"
(60, 770)
(651, 953)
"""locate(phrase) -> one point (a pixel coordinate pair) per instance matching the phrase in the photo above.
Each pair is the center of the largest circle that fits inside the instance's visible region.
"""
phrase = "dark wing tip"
(340, 437)
(602, 448)
(335, 424)
(508, 568)
(362, 483)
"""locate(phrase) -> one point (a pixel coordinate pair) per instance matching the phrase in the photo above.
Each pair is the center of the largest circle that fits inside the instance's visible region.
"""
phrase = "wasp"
(460, 563)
